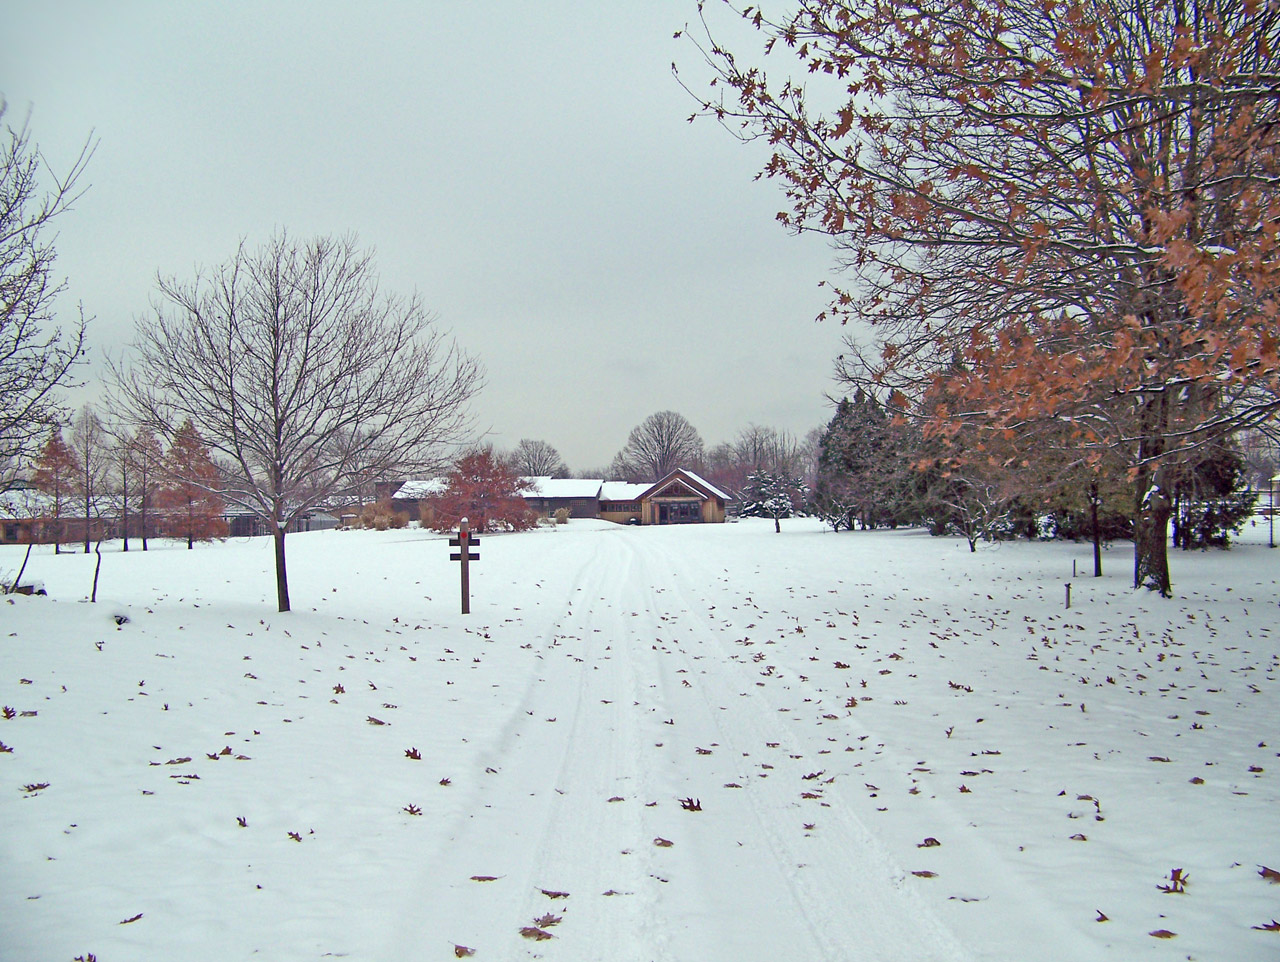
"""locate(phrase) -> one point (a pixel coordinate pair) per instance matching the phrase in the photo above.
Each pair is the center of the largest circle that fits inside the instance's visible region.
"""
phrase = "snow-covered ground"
(893, 750)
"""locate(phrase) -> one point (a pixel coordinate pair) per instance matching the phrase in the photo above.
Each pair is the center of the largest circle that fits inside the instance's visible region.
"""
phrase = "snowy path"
(635, 704)
(212, 780)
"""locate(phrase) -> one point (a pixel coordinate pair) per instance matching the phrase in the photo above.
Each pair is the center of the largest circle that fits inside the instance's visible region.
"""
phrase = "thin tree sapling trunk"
(17, 581)
(282, 577)
(1097, 530)
(124, 504)
(97, 566)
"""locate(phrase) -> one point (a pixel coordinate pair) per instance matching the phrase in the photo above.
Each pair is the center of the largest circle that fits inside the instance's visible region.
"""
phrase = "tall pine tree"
(862, 465)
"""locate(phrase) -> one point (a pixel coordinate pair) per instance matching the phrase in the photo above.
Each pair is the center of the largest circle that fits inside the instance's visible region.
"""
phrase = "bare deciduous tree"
(301, 375)
(533, 459)
(35, 358)
(658, 445)
(90, 446)
(754, 449)
(143, 463)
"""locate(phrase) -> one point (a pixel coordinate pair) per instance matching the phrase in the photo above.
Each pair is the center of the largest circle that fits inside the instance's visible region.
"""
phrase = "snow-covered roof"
(696, 479)
(411, 490)
(25, 503)
(706, 484)
(30, 503)
(547, 487)
(622, 491)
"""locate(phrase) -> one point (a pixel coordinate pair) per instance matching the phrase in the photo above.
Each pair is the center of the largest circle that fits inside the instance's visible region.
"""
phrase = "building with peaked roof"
(682, 497)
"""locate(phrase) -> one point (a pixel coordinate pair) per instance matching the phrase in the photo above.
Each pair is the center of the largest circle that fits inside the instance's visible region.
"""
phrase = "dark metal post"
(1271, 512)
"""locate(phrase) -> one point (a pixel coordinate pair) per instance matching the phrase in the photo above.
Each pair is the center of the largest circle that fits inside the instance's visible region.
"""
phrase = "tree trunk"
(1151, 521)
(777, 526)
(282, 577)
(88, 500)
(1151, 542)
(124, 507)
(17, 581)
(97, 566)
(1097, 532)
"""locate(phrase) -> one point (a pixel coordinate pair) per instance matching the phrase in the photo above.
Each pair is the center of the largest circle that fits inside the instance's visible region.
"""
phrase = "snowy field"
(692, 743)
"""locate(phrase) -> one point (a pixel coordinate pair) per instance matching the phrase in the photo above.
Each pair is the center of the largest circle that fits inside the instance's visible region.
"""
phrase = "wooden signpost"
(464, 540)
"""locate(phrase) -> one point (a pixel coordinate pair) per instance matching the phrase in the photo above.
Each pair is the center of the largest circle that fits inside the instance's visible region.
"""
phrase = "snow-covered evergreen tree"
(771, 495)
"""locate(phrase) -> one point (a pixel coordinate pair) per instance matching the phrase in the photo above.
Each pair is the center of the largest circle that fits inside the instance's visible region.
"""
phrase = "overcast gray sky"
(526, 167)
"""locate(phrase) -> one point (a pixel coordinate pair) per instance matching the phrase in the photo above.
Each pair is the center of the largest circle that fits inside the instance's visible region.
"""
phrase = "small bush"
(562, 515)
(380, 517)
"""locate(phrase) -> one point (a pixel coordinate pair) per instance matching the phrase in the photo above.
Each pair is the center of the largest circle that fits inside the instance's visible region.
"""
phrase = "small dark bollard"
(1068, 594)
(464, 540)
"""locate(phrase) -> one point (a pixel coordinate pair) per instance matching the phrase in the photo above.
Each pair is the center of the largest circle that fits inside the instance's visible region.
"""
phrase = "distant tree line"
(878, 468)
(108, 482)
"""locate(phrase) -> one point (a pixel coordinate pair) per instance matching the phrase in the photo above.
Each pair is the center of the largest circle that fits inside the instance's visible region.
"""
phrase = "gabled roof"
(699, 479)
(546, 487)
(698, 485)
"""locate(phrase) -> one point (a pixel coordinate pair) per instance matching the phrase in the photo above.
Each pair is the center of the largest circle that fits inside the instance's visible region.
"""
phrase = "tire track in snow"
(990, 900)
(542, 819)
(838, 880)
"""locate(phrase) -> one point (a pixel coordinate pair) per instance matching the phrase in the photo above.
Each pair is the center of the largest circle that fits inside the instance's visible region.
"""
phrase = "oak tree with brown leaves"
(1075, 199)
